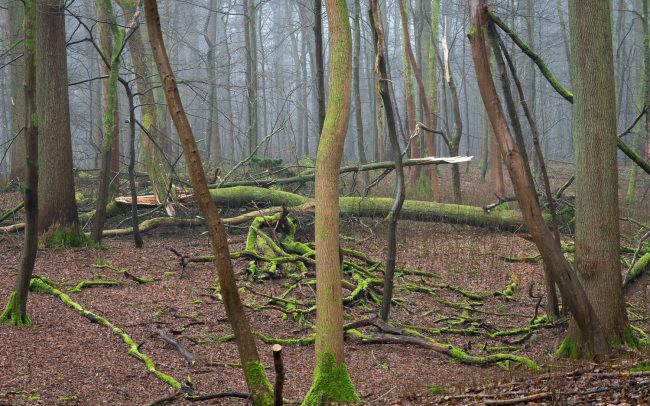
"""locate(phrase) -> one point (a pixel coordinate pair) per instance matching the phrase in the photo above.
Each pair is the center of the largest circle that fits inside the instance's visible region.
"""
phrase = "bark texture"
(594, 124)
(331, 383)
(58, 213)
(587, 323)
(258, 384)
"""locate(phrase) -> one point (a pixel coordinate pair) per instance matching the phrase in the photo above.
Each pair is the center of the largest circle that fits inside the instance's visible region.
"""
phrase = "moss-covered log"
(10, 212)
(642, 265)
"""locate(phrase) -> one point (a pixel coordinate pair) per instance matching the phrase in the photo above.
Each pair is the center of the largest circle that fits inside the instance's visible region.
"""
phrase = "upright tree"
(594, 123)
(258, 384)
(112, 42)
(17, 77)
(57, 215)
(16, 310)
(331, 382)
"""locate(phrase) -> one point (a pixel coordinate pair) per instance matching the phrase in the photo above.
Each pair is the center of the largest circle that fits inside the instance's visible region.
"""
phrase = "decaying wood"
(189, 358)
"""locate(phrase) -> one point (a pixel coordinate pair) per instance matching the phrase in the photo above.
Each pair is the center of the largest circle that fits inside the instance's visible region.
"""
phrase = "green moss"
(436, 390)
(42, 286)
(471, 32)
(568, 349)
(258, 382)
(64, 239)
(87, 284)
(631, 339)
(12, 313)
(72, 398)
(642, 367)
(331, 383)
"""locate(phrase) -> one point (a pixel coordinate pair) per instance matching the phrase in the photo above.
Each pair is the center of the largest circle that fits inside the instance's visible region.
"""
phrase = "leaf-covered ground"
(452, 297)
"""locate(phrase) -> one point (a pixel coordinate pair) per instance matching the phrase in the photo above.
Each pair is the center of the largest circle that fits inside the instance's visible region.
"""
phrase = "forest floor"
(64, 359)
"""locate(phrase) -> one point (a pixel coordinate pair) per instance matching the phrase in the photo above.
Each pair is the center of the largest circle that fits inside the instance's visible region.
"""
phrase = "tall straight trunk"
(636, 135)
(386, 101)
(58, 213)
(532, 79)
(594, 119)
(18, 169)
(258, 384)
(567, 52)
(319, 70)
(111, 39)
(592, 339)
(210, 36)
(361, 147)
(485, 137)
(331, 383)
(155, 142)
(453, 140)
(16, 310)
(428, 116)
(409, 99)
(250, 40)
(104, 16)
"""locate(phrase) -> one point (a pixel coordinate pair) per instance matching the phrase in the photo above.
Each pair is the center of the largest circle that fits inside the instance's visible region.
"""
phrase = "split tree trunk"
(585, 318)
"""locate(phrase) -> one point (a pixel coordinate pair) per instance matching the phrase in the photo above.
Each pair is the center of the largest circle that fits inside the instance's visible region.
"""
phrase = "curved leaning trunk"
(589, 327)
(258, 384)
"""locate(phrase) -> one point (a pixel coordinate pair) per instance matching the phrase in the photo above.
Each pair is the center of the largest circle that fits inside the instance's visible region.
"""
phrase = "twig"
(186, 354)
(523, 399)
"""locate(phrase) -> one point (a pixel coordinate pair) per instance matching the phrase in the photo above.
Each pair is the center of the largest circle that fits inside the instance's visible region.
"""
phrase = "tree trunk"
(210, 36)
(495, 167)
(18, 169)
(58, 213)
(258, 384)
(394, 213)
(594, 119)
(361, 147)
(320, 64)
(591, 333)
(111, 38)
(155, 141)
(16, 309)
(250, 40)
(331, 383)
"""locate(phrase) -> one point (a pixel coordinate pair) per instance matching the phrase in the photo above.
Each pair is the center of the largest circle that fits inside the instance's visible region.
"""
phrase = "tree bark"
(330, 361)
(361, 147)
(111, 38)
(57, 213)
(591, 333)
(16, 309)
(258, 384)
(18, 170)
(214, 138)
(387, 103)
(594, 121)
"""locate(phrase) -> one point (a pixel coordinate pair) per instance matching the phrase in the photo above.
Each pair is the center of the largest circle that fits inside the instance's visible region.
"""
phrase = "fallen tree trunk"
(309, 175)
(239, 196)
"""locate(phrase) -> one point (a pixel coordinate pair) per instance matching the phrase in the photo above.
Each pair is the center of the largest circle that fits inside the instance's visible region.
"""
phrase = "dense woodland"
(324, 202)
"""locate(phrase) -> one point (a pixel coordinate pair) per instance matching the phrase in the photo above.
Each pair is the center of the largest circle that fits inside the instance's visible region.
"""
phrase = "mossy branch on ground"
(42, 286)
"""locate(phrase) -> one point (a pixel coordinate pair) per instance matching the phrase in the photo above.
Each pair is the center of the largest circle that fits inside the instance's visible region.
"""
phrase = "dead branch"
(169, 340)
